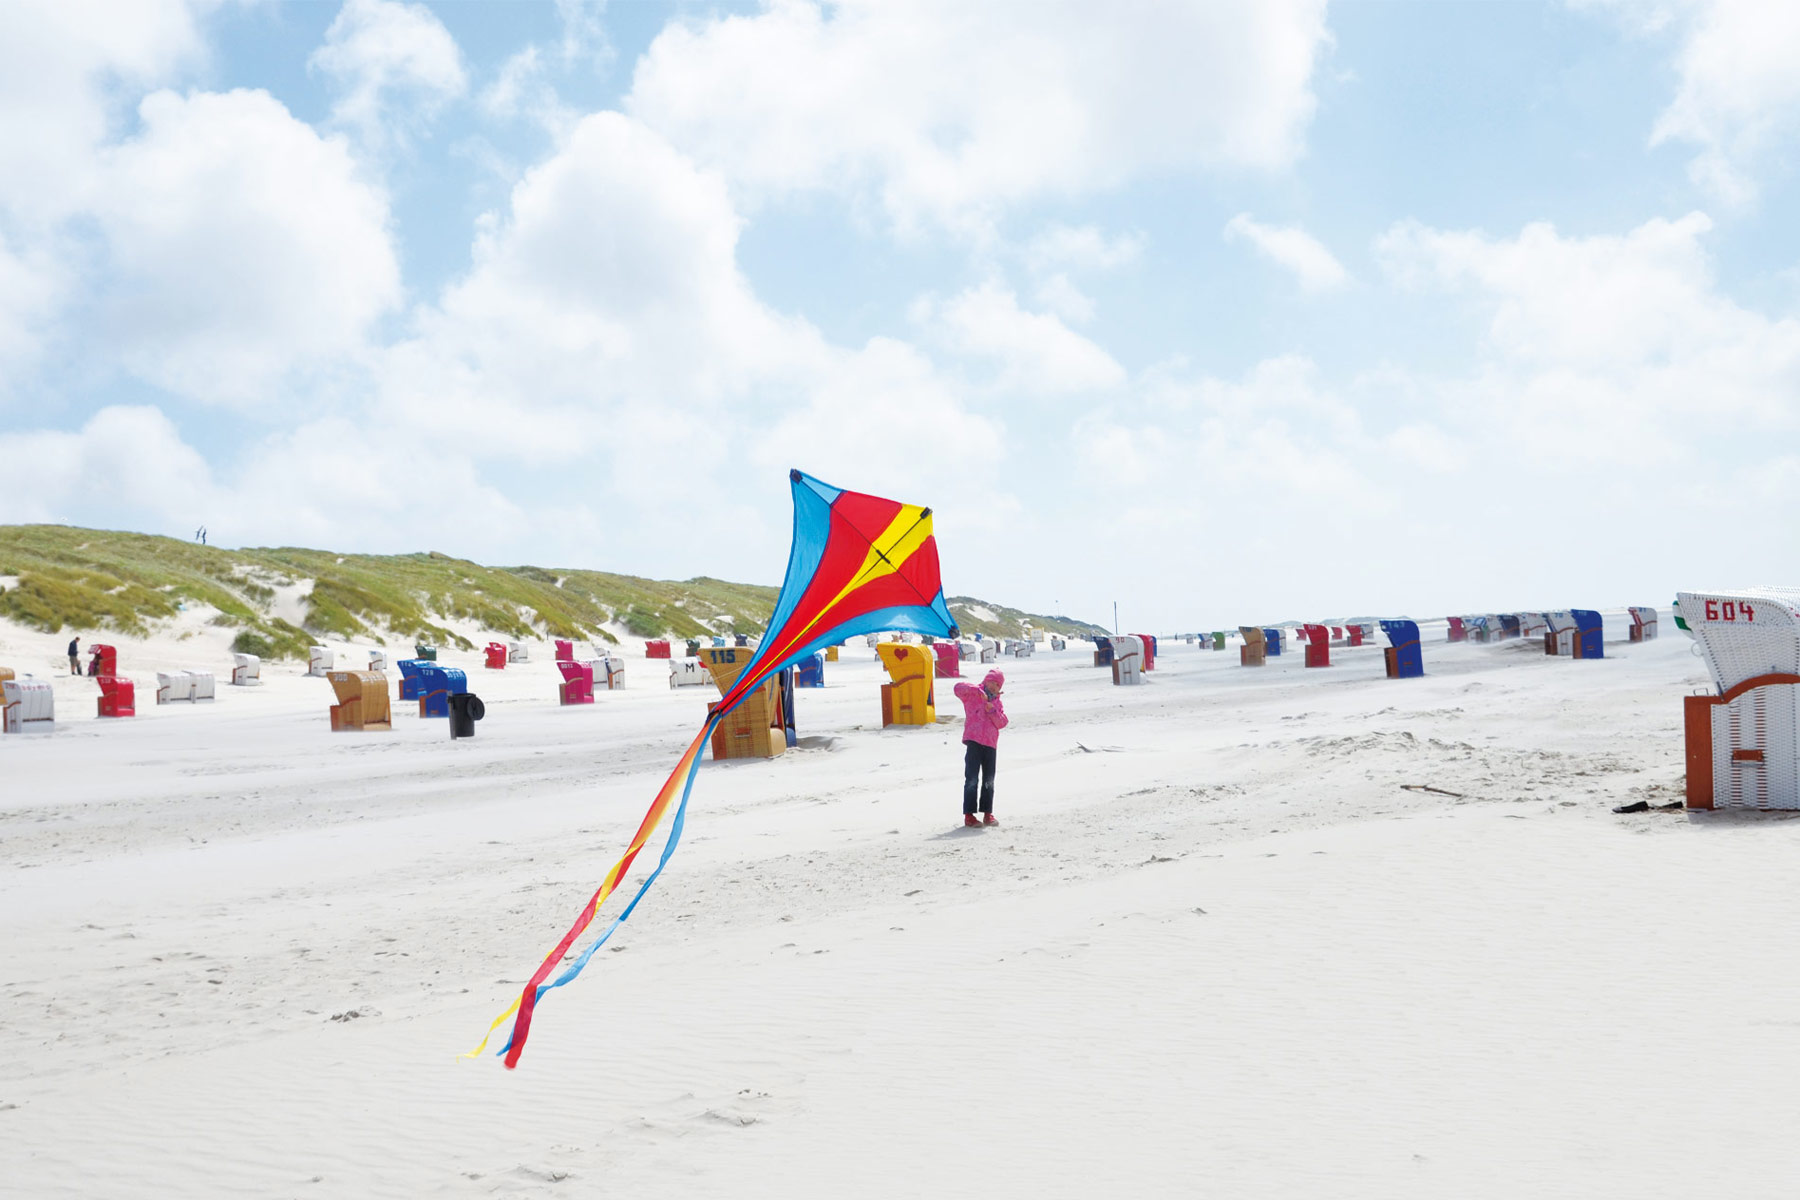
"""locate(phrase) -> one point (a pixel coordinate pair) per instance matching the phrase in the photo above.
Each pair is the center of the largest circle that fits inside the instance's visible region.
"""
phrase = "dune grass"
(89, 579)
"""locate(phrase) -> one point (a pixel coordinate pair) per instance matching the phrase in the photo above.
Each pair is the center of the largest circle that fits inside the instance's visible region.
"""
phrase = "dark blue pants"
(978, 777)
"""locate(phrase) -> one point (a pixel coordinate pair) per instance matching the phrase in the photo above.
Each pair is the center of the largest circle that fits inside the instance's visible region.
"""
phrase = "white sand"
(1219, 951)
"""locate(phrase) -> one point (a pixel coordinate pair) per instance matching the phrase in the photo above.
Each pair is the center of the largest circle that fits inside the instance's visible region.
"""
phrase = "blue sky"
(1227, 311)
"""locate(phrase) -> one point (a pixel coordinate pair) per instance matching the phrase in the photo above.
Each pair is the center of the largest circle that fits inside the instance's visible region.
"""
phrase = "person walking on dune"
(983, 719)
(74, 656)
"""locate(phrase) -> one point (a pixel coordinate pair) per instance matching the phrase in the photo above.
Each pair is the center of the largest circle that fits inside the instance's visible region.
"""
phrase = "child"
(983, 719)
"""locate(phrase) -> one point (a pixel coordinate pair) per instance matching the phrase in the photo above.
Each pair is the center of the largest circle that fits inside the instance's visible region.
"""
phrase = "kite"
(859, 564)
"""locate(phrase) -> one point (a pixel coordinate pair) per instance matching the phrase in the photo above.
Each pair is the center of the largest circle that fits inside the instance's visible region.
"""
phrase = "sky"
(1226, 312)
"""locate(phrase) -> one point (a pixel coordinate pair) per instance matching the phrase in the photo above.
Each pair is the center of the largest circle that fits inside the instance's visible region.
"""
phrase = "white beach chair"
(1560, 635)
(688, 672)
(1128, 660)
(173, 687)
(246, 669)
(1743, 743)
(320, 660)
(27, 705)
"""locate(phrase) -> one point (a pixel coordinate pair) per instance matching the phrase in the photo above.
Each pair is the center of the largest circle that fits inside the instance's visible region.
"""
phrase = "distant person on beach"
(74, 656)
(983, 719)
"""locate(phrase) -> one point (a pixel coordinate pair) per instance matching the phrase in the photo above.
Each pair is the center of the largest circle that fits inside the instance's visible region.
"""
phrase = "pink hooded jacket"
(983, 714)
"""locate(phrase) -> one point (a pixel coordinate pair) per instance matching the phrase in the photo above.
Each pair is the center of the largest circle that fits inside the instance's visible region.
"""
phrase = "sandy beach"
(377, 323)
(1216, 945)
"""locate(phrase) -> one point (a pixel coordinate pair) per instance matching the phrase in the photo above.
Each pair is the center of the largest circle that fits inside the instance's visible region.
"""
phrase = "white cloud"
(1082, 247)
(1058, 251)
(525, 85)
(241, 246)
(395, 65)
(1035, 352)
(863, 399)
(65, 66)
(1628, 329)
(606, 332)
(1614, 377)
(1314, 266)
(311, 484)
(32, 284)
(1614, 397)
(1738, 95)
(583, 32)
(519, 87)
(121, 451)
(1059, 295)
(1638, 16)
(523, 89)
(1602, 300)
(947, 111)
(1188, 453)
(307, 485)
(614, 274)
(1427, 448)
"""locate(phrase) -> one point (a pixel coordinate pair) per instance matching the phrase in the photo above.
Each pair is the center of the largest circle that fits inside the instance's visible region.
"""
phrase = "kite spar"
(859, 564)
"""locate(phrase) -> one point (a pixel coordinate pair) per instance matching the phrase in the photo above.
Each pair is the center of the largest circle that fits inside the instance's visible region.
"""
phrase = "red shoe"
(988, 819)
(969, 819)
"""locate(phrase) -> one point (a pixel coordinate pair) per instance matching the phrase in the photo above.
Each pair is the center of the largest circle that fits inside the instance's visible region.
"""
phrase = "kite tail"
(677, 823)
(680, 779)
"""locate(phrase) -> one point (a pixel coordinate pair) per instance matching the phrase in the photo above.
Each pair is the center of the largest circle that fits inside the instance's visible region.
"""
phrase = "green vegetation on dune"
(409, 595)
(648, 608)
(101, 579)
(86, 579)
(971, 617)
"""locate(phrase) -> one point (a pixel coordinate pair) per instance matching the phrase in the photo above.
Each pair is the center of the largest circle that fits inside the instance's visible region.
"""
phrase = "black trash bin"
(466, 708)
